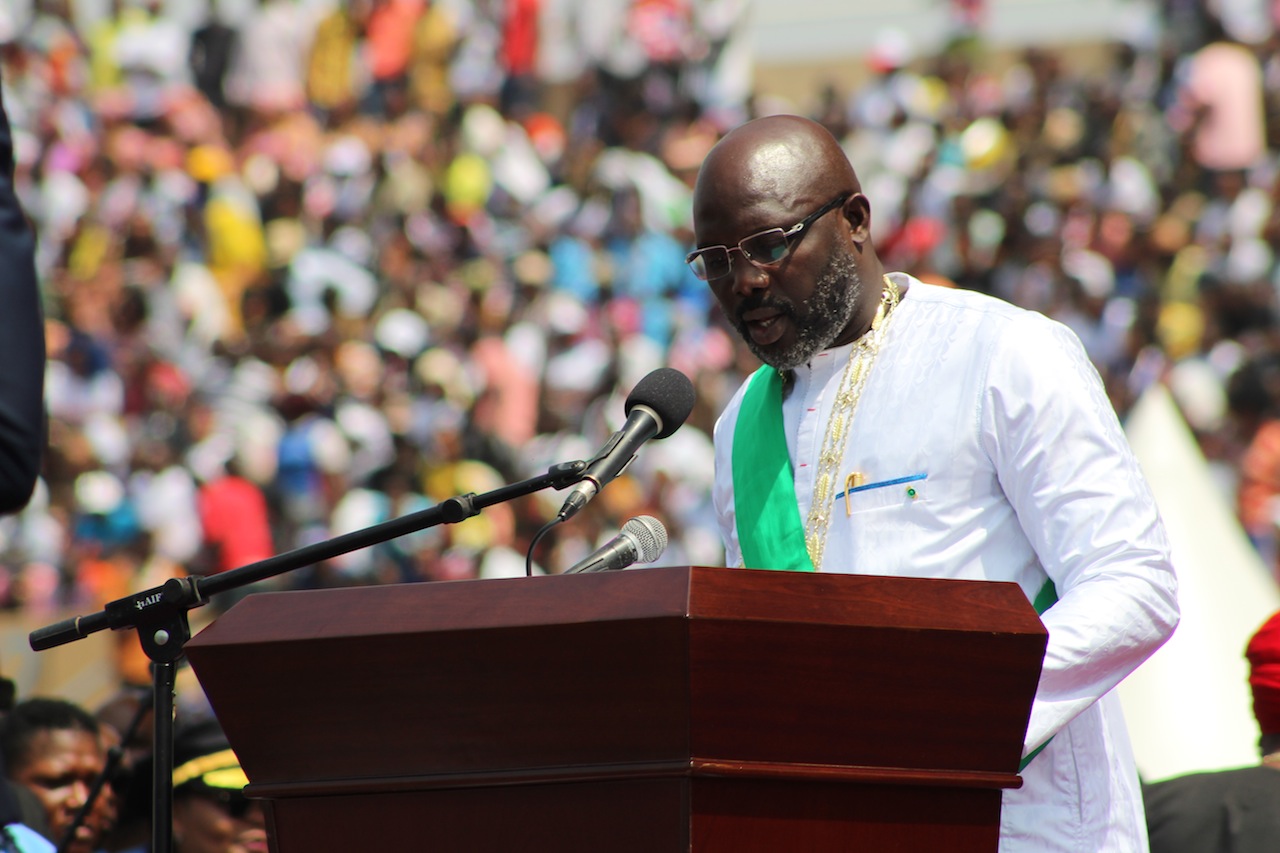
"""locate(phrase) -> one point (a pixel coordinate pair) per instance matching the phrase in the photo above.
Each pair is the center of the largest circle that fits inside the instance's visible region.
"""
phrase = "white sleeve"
(1065, 465)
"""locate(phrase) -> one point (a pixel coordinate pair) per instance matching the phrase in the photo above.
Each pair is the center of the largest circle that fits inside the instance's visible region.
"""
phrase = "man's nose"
(746, 276)
(79, 793)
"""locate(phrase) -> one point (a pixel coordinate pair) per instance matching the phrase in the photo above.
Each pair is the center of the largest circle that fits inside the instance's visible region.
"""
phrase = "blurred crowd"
(315, 265)
(318, 265)
(312, 265)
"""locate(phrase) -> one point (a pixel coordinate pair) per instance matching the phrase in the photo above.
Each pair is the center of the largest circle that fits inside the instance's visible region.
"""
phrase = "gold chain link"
(848, 393)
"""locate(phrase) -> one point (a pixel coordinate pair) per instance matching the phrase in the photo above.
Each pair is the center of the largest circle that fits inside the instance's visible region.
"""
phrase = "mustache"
(765, 300)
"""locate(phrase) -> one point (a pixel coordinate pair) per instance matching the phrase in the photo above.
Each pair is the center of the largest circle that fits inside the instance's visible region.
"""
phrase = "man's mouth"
(764, 325)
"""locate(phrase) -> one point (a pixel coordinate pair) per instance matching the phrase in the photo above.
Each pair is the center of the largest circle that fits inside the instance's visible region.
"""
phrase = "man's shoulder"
(1195, 811)
(970, 333)
(958, 313)
(1197, 785)
(24, 839)
(960, 299)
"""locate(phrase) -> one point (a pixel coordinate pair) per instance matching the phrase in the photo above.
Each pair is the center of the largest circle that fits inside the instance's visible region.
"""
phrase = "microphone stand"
(160, 614)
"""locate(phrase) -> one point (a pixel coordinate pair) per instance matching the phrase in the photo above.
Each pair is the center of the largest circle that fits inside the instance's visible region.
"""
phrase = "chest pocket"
(896, 492)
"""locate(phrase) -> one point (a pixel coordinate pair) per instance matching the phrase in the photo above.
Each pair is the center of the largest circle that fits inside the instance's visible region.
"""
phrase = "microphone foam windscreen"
(669, 393)
(650, 536)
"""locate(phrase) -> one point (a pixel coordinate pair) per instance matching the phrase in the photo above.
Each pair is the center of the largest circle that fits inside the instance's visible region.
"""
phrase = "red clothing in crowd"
(520, 37)
(233, 513)
(390, 37)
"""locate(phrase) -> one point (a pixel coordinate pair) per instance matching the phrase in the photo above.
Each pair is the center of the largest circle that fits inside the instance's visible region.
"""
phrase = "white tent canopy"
(1189, 707)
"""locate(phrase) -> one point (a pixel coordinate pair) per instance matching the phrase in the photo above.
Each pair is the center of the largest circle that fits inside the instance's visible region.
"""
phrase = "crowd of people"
(334, 263)
(315, 265)
(327, 264)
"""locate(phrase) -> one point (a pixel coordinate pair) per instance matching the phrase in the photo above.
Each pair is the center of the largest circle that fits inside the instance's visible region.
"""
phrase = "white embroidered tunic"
(987, 449)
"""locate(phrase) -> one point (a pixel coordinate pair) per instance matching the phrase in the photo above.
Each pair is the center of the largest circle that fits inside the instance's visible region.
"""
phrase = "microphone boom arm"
(160, 614)
(157, 605)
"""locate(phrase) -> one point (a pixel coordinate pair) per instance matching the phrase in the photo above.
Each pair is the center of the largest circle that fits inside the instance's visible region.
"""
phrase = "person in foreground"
(22, 433)
(54, 748)
(1237, 809)
(211, 814)
(22, 349)
(898, 428)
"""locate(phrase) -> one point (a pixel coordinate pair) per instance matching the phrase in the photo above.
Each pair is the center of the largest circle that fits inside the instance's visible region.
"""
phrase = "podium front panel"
(666, 708)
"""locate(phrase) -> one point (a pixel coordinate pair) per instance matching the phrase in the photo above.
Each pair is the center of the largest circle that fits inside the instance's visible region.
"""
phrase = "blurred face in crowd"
(209, 821)
(61, 767)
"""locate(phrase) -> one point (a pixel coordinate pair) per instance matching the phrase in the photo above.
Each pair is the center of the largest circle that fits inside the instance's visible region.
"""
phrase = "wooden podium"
(660, 709)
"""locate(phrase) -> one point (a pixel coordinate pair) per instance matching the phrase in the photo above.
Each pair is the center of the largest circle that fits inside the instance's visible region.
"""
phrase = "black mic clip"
(565, 474)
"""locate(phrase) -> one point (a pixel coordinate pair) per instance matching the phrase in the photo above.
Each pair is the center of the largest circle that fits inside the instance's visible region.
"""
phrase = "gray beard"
(819, 321)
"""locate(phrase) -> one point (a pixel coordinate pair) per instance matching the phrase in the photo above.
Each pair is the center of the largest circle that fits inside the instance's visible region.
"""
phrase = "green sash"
(770, 532)
(1045, 598)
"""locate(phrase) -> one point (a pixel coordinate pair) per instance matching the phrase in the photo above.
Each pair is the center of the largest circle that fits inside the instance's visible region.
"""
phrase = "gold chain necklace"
(849, 391)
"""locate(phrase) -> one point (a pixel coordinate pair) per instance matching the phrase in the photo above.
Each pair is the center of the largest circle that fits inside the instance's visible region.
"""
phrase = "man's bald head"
(780, 157)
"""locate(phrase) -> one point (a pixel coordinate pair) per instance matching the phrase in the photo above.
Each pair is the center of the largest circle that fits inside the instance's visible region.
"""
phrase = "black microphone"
(642, 540)
(658, 405)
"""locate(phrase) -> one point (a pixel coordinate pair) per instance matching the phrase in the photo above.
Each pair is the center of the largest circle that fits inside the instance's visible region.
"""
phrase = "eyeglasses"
(763, 249)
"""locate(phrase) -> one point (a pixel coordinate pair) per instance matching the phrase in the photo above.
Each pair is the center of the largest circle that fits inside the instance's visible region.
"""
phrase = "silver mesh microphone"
(642, 540)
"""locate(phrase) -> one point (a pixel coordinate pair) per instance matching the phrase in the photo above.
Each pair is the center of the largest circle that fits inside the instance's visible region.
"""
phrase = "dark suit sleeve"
(22, 353)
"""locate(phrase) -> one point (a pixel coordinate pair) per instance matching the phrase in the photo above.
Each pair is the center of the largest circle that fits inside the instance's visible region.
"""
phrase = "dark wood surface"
(624, 816)
(515, 691)
(748, 816)
(646, 816)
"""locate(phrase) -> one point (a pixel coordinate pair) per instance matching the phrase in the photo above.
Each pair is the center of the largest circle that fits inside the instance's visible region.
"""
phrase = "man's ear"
(857, 212)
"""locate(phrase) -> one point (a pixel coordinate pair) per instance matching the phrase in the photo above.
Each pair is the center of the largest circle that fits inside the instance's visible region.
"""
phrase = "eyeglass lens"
(765, 249)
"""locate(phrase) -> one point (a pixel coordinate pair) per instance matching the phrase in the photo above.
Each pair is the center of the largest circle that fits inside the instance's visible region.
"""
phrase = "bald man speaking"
(905, 429)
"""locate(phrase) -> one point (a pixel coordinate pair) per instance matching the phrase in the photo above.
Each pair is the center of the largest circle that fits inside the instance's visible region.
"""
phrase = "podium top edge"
(690, 592)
